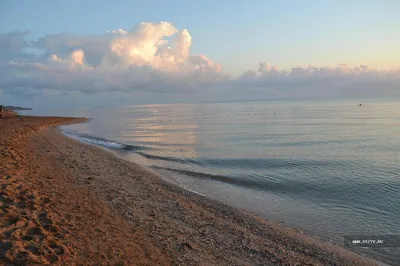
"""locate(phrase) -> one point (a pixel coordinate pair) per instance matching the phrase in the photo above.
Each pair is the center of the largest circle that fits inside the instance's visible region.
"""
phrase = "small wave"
(261, 185)
(135, 147)
(306, 190)
(128, 147)
(169, 159)
(105, 142)
(246, 163)
(220, 178)
(266, 163)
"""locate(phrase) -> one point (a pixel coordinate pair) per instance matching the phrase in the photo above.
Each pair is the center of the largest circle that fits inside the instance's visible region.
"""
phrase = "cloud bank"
(156, 58)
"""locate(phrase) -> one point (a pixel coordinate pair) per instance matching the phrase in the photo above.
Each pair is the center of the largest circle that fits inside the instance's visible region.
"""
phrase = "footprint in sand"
(58, 250)
(46, 222)
(5, 201)
(4, 247)
(24, 218)
(7, 177)
(32, 249)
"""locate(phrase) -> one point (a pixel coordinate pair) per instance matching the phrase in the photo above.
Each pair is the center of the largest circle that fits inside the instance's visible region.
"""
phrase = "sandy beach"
(67, 203)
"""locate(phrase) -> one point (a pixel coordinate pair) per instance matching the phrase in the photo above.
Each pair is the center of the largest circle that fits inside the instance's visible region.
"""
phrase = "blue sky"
(236, 34)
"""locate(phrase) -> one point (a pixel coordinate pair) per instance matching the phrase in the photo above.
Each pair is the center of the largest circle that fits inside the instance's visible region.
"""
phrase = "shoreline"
(85, 201)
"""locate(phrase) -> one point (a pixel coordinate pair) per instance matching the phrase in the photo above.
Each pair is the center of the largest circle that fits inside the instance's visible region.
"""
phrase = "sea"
(327, 168)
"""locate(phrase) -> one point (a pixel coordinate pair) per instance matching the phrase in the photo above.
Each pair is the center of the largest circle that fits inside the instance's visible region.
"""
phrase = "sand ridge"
(68, 203)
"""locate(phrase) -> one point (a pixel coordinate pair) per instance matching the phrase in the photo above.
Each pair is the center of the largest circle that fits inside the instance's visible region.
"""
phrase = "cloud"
(158, 45)
(12, 45)
(118, 31)
(156, 58)
(77, 57)
(152, 56)
(340, 81)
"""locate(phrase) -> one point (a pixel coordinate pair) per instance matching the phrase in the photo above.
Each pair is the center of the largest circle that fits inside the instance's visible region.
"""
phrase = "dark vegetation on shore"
(15, 108)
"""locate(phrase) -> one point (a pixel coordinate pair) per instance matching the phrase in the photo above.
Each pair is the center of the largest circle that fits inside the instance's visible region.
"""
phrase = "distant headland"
(15, 108)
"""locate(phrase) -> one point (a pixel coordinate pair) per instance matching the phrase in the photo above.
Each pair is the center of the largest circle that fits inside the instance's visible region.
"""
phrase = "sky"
(88, 52)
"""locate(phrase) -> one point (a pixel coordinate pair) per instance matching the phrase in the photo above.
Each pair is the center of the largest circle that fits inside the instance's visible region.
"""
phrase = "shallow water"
(328, 168)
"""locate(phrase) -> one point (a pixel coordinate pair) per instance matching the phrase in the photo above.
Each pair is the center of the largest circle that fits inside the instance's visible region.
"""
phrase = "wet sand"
(68, 203)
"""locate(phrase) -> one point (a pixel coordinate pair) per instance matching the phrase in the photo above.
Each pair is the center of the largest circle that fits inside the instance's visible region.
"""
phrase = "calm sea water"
(327, 168)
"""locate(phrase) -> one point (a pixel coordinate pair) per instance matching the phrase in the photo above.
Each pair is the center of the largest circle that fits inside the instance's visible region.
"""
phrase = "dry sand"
(67, 203)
